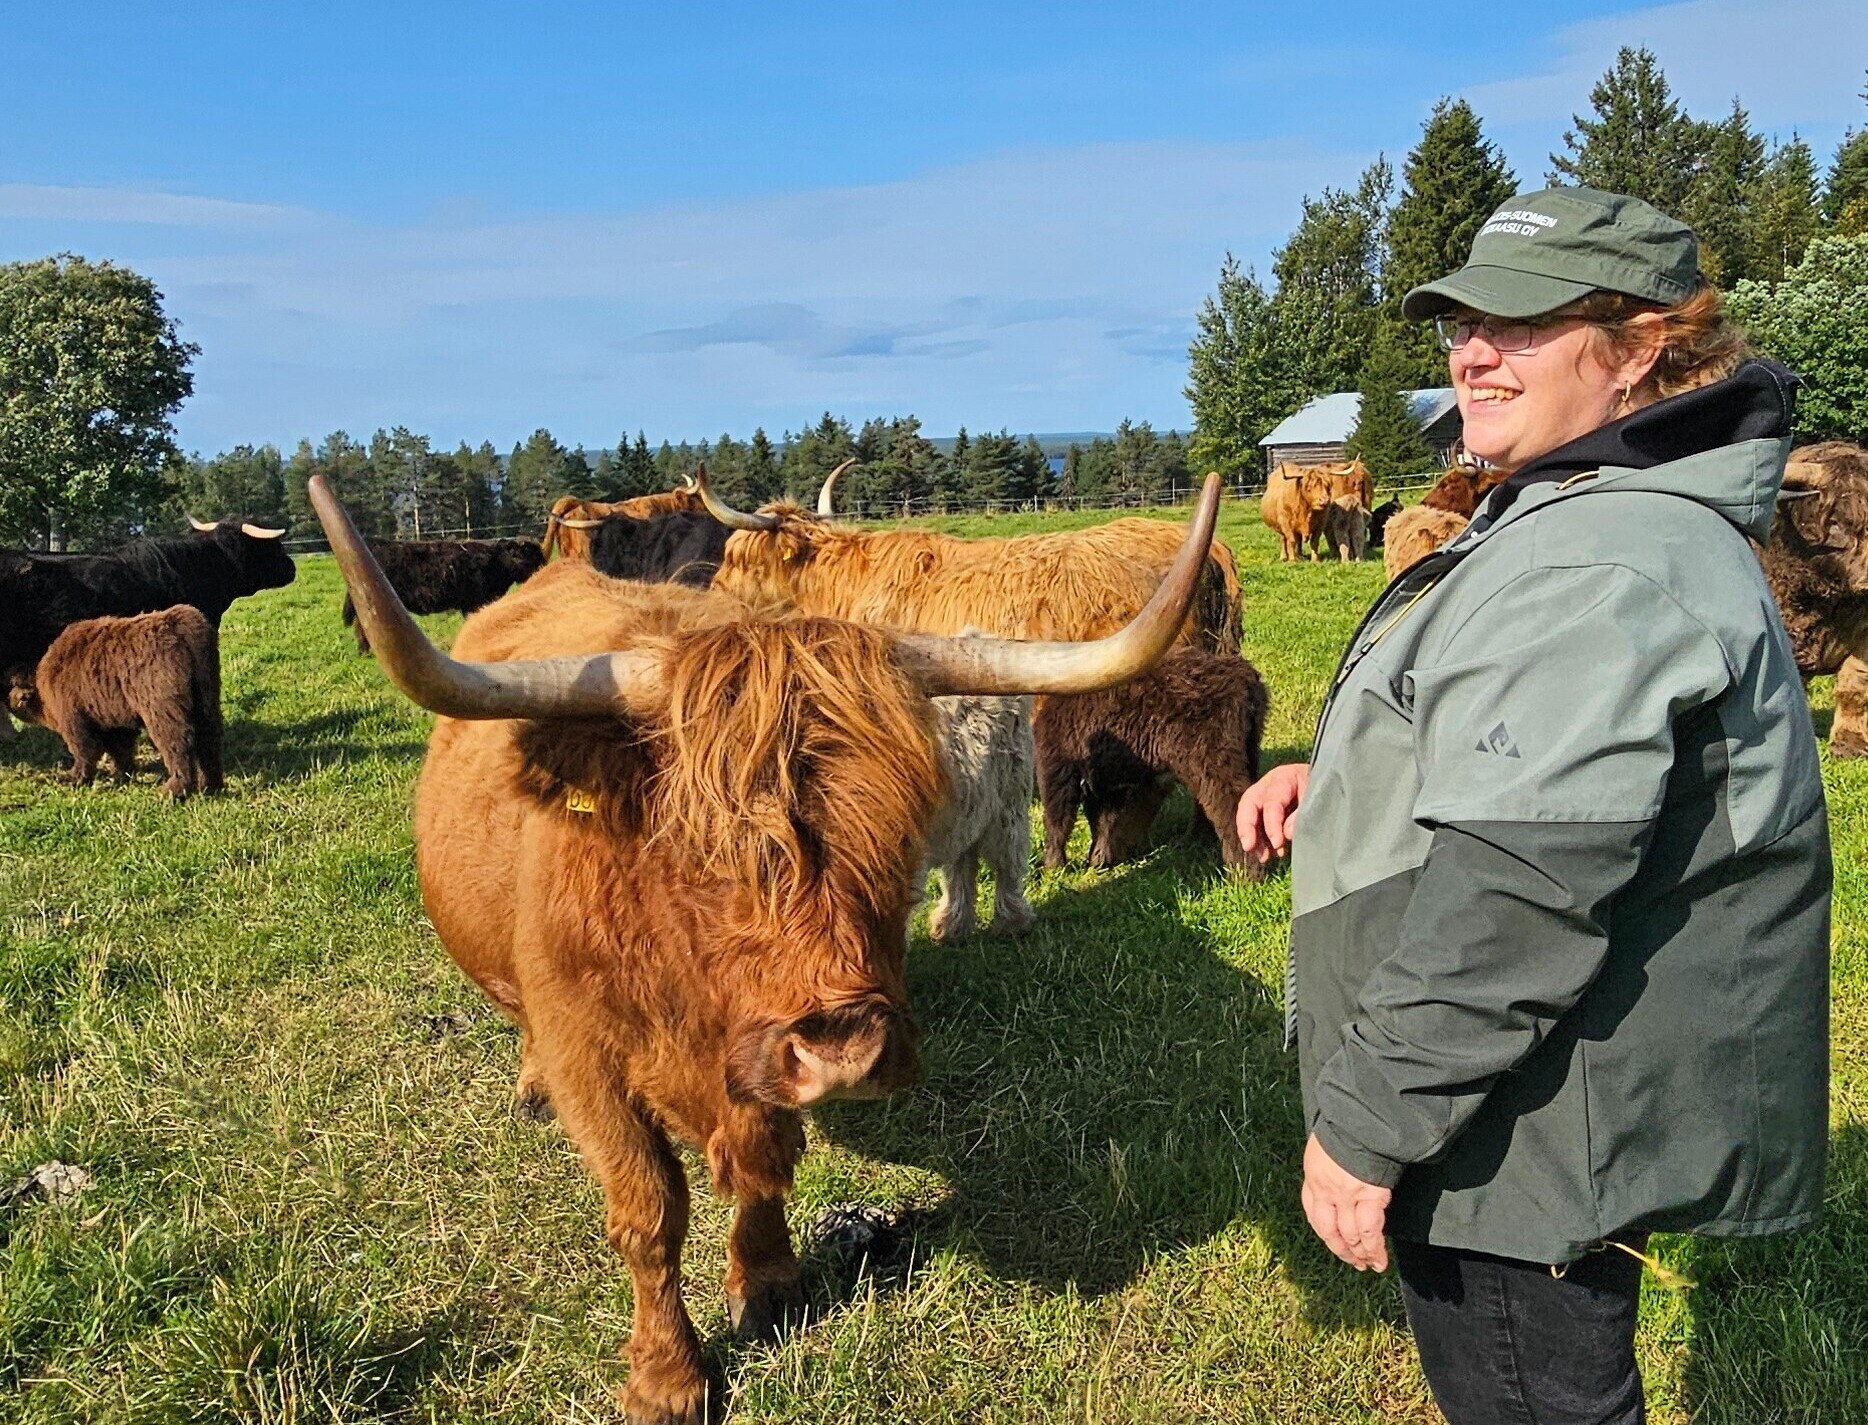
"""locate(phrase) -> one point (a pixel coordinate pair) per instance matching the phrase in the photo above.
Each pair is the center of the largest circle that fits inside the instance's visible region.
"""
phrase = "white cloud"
(1795, 64)
(54, 203)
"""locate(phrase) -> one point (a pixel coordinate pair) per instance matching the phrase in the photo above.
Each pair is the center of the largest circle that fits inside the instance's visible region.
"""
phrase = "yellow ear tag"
(579, 801)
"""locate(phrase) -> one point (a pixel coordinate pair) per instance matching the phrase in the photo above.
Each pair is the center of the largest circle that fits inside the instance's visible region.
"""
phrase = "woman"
(1560, 882)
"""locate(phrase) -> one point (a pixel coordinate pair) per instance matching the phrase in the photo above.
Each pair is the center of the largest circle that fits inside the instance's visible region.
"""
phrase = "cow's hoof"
(1011, 919)
(1848, 744)
(943, 926)
(766, 1315)
(533, 1105)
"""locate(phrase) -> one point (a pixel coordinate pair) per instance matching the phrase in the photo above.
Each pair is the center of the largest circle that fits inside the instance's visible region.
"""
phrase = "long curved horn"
(199, 526)
(977, 666)
(575, 524)
(259, 531)
(688, 483)
(725, 513)
(588, 685)
(825, 505)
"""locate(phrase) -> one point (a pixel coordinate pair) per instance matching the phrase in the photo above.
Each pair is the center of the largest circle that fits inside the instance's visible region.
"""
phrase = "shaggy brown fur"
(1414, 534)
(1817, 564)
(1197, 718)
(1077, 585)
(575, 543)
(1460, 489)
(1344, 526)
(717, 941)
(104, 678)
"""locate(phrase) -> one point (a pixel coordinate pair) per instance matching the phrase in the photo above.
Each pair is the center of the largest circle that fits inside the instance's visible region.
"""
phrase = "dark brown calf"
(104, 678)
(1197, 718)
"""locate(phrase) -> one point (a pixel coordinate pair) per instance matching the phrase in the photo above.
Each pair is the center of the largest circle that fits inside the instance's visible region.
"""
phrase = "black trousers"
(1504, 1342)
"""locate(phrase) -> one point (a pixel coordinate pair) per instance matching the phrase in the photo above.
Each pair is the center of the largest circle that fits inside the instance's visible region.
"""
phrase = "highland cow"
(681, 548)
(1378, 521)
(1196, 718)
(1415, 533)
(675, 840)
(104, 678)
(985, 747)
(434, 576)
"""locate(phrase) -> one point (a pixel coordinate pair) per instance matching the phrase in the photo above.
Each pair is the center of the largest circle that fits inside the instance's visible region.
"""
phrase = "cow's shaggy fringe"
(1080, 584)
(795, 753)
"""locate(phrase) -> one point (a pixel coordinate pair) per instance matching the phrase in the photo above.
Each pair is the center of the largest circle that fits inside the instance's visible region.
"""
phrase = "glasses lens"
(1509, 336)
(1451, 332)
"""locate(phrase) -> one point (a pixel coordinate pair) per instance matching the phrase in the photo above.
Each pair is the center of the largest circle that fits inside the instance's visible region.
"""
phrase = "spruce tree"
(1784, 211)
(1845, 195)
(762, 479)
(1452, 181)
(1386, 437)
(1719, 202)
(1237, 382)
(1640, 142)
(1326, 308)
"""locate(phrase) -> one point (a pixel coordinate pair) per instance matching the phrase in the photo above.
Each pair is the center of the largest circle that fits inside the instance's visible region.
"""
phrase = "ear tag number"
(579, 801)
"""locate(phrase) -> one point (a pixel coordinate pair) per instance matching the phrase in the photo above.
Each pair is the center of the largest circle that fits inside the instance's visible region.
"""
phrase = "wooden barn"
(1316, 434)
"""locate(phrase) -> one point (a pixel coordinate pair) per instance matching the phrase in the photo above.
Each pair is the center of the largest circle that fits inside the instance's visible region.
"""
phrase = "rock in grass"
(54, 1181)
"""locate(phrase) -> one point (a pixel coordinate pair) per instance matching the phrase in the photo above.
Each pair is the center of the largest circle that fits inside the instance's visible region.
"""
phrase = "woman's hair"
(1699, 343)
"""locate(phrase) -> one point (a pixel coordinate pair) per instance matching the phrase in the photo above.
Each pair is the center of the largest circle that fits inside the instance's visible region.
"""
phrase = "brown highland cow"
(104, 678)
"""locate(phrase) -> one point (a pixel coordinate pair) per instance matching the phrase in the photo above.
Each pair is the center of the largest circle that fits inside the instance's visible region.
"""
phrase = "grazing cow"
(676, 842)
(568, 526)
(434, 576)
(103, 678)
(1196, 718)
(1344, 523)
(1350, 477)
(681, 548)
(985, 747)
(1294, 498)
(1378, 521)
(1817, 562)
(1415, 533)
(1080, 584)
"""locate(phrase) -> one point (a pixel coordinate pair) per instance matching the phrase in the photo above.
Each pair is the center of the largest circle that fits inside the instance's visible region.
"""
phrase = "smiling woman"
(1561, 887)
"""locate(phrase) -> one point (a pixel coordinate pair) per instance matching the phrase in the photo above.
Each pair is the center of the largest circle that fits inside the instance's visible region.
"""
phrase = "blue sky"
(475, 219)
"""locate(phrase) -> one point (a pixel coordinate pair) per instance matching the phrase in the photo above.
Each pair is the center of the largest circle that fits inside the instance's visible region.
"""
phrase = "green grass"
(311, 1202)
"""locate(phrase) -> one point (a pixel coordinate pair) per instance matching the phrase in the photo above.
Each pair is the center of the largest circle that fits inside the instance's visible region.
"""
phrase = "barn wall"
(1306, 454)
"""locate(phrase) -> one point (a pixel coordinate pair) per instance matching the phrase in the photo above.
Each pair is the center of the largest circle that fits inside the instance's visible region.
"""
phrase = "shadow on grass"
(1779, 1325)
(281, 752)
(1103, 1089)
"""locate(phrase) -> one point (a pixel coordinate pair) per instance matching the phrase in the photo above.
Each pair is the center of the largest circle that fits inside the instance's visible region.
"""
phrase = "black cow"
(1378, 522)
(41, 594)
(684, 548)
(434, 575)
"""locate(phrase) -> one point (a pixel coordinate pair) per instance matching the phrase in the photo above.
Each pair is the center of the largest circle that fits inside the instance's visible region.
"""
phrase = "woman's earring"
(1627, 393)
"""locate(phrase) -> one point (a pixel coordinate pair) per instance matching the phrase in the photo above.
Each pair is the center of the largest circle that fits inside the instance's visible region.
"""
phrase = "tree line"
(1788, 245)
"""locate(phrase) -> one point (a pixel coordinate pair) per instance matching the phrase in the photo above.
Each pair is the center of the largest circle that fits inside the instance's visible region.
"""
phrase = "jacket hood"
(1723, 445)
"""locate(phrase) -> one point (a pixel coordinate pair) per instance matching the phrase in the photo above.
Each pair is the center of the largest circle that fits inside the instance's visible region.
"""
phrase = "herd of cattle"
(693, 767)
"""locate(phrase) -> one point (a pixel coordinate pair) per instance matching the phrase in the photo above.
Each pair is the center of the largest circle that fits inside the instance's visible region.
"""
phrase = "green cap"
(1542, 250)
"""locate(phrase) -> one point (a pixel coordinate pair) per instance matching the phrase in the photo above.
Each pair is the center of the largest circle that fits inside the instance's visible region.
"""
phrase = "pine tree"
(1640, 141)
(762, 479)
(1386, 437)
(948, 478)
(1718, 205)
(1237, 383)
(1034, 470)
(1452, 182)
(1070, 478)
(1784, 211)
(1845, 195)
(535, 478)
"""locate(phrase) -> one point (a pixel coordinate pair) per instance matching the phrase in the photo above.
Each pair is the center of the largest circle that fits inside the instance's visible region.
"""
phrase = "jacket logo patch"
(1498, 742)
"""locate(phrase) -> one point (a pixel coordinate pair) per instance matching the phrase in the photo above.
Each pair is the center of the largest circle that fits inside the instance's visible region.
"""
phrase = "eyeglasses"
(1503, 333)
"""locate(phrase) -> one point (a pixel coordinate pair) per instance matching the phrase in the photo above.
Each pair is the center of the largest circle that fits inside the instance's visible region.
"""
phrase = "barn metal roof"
(1330, 419)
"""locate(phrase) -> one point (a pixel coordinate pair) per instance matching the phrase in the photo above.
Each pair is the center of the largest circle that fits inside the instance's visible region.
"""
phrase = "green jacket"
(1561, 877)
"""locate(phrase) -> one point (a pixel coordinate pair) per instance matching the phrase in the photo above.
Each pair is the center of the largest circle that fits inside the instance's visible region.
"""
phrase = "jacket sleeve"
(1543, 730)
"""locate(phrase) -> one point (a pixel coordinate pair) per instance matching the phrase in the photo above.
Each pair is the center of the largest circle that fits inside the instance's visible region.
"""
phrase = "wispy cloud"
(46, 202)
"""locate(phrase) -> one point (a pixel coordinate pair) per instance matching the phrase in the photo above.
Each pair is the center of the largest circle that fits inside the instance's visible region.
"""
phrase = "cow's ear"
(1808, 511)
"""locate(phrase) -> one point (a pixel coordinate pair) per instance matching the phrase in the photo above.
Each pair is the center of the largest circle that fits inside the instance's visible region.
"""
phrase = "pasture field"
(310, 1202)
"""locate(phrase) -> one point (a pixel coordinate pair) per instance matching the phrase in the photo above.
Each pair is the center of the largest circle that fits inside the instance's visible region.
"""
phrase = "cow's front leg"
(752, 1158)
(646, 1212)
(954, 913)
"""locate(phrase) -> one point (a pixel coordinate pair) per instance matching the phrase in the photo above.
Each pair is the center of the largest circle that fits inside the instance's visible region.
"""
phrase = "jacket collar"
(1722, 445)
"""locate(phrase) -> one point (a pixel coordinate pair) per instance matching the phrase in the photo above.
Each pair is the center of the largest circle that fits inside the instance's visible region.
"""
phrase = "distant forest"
(399, 486)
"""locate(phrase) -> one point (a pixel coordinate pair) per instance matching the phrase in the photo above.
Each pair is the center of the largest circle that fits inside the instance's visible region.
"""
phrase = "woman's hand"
(1347, 1213)
(1268, 811)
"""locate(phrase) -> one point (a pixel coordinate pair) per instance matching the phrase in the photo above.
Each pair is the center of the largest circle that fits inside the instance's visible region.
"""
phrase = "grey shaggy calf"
(1196, 718)
(104, 678)
(985, 745)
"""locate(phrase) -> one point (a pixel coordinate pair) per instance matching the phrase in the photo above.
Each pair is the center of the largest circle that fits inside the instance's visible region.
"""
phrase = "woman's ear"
(1646, 332)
